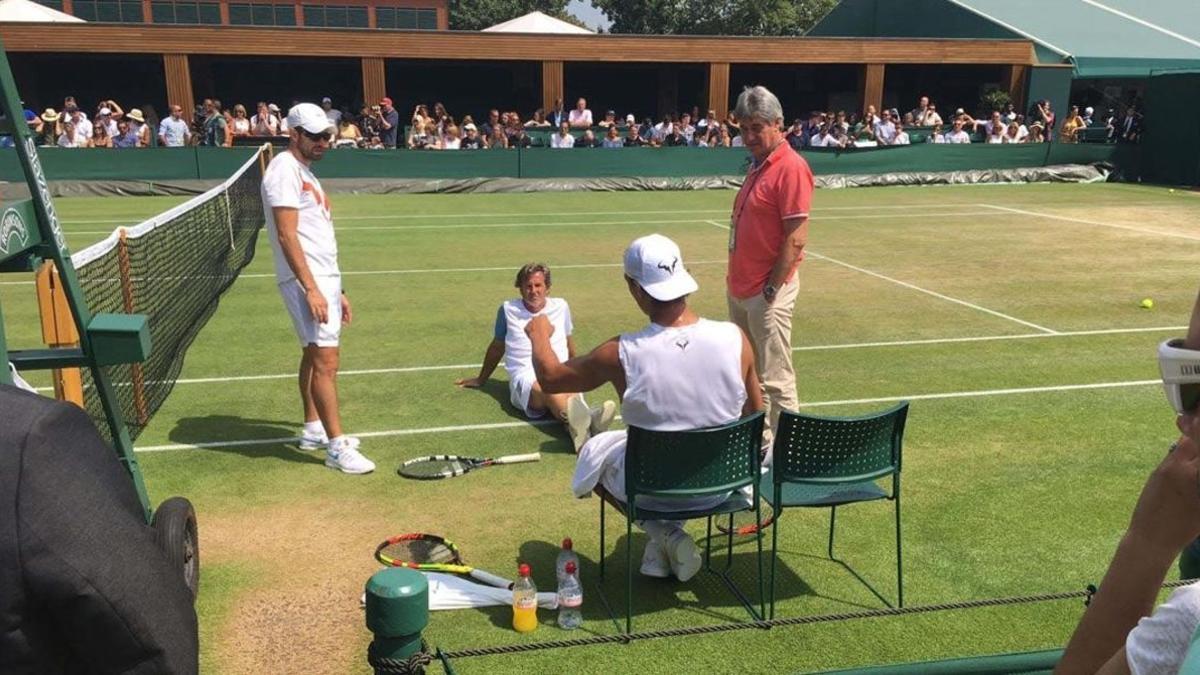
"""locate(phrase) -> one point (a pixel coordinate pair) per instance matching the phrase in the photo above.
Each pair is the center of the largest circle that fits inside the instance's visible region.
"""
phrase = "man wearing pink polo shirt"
(767, 233)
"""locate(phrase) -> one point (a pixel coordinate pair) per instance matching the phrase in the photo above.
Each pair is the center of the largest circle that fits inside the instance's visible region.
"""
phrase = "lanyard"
(747, 188)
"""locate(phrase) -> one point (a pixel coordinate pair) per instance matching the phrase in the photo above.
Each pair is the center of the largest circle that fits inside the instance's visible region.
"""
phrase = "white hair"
(759, 103)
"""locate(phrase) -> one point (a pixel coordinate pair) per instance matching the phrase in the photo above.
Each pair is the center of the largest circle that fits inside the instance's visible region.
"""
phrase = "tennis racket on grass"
(435, 467)
(431, 553)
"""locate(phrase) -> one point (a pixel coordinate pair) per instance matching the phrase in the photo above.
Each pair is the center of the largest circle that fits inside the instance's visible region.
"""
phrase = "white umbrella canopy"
(28, 11)
(533, 22)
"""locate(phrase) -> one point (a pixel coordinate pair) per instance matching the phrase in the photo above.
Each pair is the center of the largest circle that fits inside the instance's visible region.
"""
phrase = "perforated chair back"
(693, 463)
(812, 449)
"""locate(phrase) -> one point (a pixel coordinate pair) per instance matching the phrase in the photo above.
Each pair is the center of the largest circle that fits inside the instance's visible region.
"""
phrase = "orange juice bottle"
(524, 602)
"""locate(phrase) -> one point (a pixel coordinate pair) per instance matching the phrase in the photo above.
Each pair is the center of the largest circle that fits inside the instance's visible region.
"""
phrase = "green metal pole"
(56, 247)
(5, 374)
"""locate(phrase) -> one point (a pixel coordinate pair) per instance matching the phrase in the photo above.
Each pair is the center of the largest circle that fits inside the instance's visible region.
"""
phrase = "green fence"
(167, 164)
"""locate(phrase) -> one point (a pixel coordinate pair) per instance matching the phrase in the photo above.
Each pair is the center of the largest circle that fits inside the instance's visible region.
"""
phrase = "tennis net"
(173, 268)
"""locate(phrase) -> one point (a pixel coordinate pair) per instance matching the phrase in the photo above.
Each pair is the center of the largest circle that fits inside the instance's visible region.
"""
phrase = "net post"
(138, 383)
(58, 330)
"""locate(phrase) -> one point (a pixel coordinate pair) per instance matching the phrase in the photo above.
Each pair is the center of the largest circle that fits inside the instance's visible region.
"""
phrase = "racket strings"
(421, 551)
(434, 467)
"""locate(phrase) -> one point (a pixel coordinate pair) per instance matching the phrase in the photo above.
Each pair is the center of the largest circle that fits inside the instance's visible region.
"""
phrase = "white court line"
(1068, 219)
(591, 223)
(429, 270)
(850, 345)
(987, 338)
(538, 214)
(914, 287)
(935, 294)
(538, 423)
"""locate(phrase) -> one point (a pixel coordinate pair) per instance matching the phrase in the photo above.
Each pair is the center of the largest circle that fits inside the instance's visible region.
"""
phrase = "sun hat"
(136, 115)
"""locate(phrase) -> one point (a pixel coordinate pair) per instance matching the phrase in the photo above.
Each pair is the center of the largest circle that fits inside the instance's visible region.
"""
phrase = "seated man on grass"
(510, 341)
(679, 372)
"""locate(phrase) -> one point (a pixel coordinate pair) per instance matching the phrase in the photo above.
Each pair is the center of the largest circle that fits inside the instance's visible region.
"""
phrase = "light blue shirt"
(174, 132)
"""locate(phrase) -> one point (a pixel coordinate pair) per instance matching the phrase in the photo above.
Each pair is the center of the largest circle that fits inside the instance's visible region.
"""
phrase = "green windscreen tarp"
(1171, 151)
(165, 165)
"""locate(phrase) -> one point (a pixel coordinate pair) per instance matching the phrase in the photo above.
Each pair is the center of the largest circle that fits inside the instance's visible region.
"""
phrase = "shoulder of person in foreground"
(88, 558)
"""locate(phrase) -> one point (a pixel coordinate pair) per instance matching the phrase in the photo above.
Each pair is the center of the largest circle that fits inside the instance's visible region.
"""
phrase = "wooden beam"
(1015, 77)
(87, 38)
(179, 83)
(872, 86)
(718, 89)
(374, 80)
(552, 84)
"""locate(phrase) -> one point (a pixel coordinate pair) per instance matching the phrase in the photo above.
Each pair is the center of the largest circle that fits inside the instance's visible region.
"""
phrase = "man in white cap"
(679, 372)
(301, 230)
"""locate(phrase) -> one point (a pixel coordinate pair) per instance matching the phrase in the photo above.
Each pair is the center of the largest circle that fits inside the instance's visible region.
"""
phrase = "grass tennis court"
(1009, 316)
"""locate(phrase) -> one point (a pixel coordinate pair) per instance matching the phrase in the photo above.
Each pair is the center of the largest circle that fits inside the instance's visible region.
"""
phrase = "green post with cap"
(397, 612)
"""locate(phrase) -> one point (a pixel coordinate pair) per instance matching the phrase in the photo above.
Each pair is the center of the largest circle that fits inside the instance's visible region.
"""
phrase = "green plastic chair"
(688, 464)
(822, 462)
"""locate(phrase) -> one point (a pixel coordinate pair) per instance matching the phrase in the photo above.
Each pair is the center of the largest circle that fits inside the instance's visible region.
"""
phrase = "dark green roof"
(1102, 38)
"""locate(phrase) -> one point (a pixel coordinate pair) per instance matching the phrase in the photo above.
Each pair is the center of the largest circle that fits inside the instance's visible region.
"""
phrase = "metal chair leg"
(899, 557)
(603, 551)
(832, 522)
(758, 538)
(774, 554)
(629, 572)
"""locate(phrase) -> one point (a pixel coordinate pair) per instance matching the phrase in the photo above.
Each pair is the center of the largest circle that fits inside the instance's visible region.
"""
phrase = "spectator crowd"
(380, 126)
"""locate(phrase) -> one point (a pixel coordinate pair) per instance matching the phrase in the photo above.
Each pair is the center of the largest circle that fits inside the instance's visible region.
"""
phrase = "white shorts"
(520, 386)
(307, 329)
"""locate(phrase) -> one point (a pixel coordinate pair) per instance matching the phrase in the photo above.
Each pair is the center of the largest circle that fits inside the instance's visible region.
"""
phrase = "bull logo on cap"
(670, 269)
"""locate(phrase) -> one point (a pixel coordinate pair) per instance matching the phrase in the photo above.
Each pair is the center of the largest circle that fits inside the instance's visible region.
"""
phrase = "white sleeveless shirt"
(681, 378)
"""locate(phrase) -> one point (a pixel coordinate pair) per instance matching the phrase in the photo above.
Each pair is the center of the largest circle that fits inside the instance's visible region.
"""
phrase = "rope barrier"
(773, 623)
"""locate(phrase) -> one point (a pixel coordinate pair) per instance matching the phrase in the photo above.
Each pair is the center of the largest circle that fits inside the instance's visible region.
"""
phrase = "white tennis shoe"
(684, 555)
(602, 417)
(654, 561)
(344, 456)
(310, 441)
(579, 421)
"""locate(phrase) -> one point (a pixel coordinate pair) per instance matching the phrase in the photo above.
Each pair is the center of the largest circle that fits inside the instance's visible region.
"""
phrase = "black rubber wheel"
(175, 531)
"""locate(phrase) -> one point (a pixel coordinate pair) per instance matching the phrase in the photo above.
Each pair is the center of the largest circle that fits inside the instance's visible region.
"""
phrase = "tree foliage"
(717, 17)
(479, 14)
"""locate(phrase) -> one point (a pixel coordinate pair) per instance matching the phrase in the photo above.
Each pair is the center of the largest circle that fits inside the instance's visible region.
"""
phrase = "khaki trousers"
(770, 330)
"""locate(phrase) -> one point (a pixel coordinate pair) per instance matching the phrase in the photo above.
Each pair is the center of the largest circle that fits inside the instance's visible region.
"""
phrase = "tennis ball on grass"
(1147, 304)
(1172, 190)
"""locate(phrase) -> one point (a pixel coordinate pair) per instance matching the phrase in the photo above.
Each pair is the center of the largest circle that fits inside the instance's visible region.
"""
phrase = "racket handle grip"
(515, 459)
(491, 579)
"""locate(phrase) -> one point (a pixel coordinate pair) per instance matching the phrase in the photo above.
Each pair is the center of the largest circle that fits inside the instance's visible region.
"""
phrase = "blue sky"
(584, 10)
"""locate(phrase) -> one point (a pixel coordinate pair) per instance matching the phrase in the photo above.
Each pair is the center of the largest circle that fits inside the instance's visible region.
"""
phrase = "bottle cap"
(523, 570)
(568, 544)
(570, 567)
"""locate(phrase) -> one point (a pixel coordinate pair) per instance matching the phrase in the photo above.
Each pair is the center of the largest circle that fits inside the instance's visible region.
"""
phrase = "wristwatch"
(769, 292)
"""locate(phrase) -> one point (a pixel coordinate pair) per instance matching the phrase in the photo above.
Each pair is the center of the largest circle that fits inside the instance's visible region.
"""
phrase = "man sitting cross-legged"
(511, 342)
(680, 372)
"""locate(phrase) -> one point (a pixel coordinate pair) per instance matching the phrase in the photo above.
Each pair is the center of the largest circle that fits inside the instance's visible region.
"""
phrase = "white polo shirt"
(511, 320)
(289, 183)
(579, 117)
(958, 137)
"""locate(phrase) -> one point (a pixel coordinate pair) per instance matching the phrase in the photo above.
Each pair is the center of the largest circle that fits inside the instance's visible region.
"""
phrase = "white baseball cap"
(310, 117)
(656, 264)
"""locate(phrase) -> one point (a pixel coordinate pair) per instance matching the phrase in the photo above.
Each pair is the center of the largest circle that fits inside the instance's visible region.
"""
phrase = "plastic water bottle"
(566, 555)
(524, 601)
(570, 599)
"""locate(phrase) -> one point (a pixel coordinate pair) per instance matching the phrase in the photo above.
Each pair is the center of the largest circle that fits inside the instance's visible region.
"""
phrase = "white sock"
(314, 428)
(333, 443)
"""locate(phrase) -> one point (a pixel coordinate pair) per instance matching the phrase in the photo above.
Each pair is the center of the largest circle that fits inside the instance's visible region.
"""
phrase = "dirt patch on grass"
(305, 618)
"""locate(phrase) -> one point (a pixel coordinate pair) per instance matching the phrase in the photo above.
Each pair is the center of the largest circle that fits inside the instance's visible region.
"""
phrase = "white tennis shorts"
(307, 329)
(520, 386)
